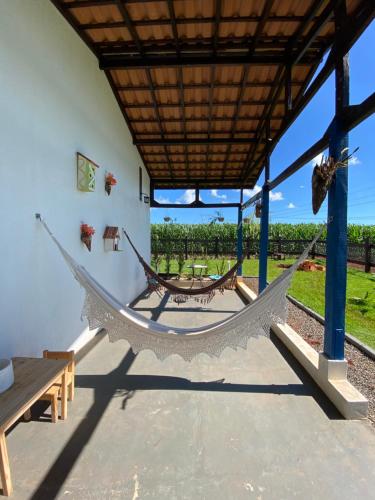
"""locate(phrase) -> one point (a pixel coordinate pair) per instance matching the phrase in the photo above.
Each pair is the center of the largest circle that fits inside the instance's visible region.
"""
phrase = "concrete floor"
(248, 425)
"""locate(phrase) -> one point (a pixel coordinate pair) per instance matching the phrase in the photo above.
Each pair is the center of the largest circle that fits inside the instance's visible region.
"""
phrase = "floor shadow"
(162, 306)
(158, 310)
(129, 384)
(185, 309)
(51, 484)
(313, 389)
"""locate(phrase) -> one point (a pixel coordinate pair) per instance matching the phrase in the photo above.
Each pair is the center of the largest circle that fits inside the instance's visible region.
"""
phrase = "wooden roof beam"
(147, 105)
(193, 119)
(193, 132)
(190, 141)
(179, 21)
(202, 183)
(263, 59)
(204, 85)
(191, 153)
(196, 162)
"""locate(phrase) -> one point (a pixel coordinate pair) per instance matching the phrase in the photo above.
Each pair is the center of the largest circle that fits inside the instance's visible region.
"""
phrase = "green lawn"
(309, 289)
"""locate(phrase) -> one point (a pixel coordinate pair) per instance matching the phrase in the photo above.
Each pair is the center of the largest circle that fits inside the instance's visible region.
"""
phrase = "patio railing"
(358, 253)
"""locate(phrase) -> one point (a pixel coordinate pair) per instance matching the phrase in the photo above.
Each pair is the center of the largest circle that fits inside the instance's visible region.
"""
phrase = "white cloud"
(276, 196)
(188, 197)
(291, 205)
(317, 160)
(215, 194)
(162, 199)
(354, 160)
(302, 187)
(251, 192)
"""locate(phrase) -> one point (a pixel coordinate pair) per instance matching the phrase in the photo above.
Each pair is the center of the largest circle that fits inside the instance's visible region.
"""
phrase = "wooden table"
(32, 377)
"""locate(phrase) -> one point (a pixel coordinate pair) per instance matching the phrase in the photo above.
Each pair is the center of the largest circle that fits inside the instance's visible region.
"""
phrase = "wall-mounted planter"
(86, 169)
(87, 233)
(109, 182)
(111, 238)
(167, 219)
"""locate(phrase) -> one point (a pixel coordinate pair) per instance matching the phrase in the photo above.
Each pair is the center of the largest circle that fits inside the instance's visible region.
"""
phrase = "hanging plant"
(109, 182)
(258, 209)
(246, 220)
(167, 219)
(218, 217)
(87, 233)
(321, 181)
(322, 178)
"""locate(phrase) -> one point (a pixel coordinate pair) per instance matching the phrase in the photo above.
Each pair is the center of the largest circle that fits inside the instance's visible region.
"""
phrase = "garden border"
(350, 338)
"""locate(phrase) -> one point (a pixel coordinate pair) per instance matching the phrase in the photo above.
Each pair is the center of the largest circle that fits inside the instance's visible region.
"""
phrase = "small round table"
(197, 266)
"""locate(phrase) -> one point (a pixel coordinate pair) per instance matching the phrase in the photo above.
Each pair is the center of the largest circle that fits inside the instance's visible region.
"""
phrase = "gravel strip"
(361, 368)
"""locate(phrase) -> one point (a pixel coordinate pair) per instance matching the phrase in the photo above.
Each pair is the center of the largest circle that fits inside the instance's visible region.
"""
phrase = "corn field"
(226, 231)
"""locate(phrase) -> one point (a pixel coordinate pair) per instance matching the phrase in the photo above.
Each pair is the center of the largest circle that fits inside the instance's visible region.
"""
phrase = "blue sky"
(291, 200)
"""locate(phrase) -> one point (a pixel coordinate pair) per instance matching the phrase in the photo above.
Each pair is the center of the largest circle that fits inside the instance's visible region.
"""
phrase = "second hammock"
(179, 294)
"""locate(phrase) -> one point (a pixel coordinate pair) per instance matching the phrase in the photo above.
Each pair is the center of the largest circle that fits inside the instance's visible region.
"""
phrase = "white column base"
(332, 369)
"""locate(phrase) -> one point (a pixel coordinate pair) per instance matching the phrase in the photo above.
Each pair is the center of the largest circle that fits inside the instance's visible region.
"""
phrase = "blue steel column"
(264, 223)
(263, 250)
(337, 218)
(240, 234)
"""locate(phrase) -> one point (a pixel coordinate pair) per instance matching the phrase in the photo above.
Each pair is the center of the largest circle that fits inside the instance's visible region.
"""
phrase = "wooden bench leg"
(27, 415)
(71, 392)
(64, 398)
(4, 467)
(54, 409)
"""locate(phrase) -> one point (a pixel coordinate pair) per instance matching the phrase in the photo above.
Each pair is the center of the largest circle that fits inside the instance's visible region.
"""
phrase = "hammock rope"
(103, 310)
(179, 294)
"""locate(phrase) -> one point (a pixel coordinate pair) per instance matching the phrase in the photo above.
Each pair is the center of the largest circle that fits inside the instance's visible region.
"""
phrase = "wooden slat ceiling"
(205, 85)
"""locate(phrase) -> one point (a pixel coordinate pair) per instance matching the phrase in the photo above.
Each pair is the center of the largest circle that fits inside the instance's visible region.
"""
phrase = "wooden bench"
(32, 378)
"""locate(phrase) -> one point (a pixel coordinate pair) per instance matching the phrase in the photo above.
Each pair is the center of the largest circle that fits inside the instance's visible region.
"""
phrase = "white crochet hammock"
(102, 310)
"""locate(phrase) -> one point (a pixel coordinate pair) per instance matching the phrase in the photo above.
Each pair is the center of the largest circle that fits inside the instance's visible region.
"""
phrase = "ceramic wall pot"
(87, 241)
(108, 188)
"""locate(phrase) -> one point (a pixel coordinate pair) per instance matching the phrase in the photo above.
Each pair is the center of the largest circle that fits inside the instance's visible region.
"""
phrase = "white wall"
(54, 101)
